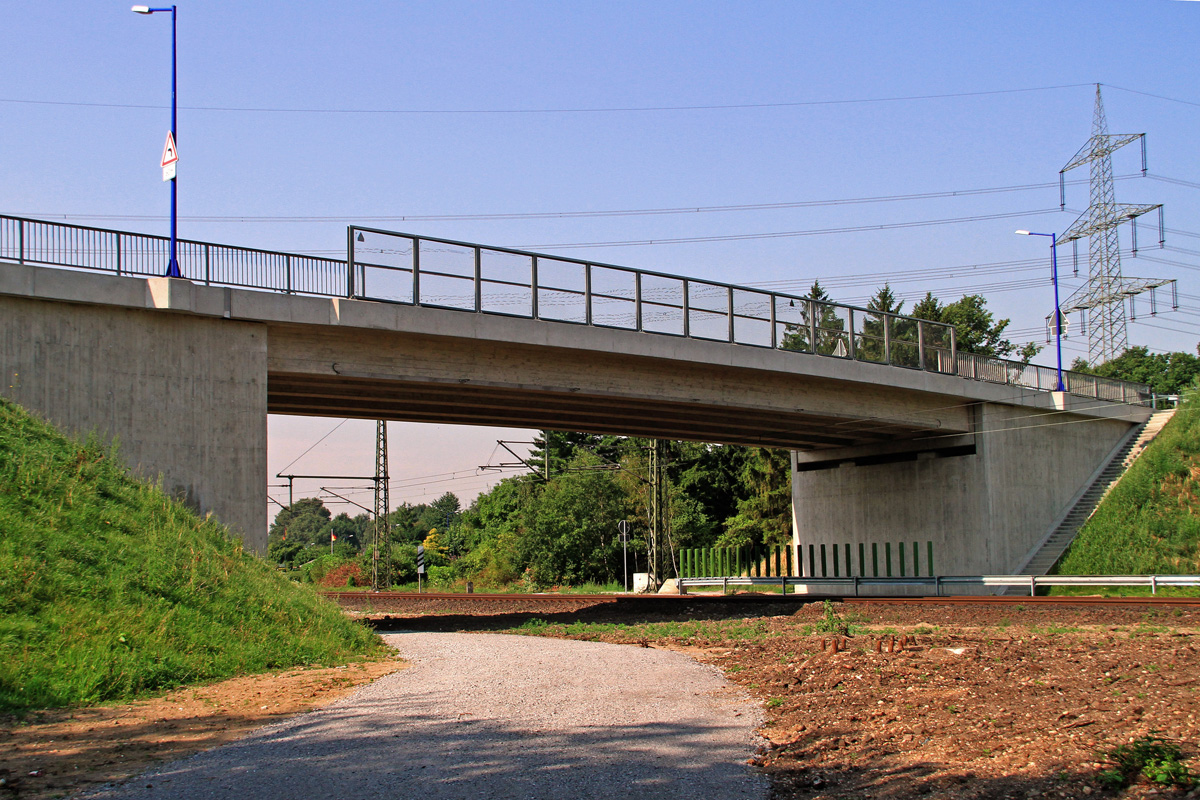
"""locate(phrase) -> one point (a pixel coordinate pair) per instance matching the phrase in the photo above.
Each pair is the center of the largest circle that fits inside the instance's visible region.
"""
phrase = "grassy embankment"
(1150, 522)
(109, 589)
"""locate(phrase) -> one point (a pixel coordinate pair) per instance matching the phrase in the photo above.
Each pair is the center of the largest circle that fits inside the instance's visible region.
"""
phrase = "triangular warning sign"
(170, 154)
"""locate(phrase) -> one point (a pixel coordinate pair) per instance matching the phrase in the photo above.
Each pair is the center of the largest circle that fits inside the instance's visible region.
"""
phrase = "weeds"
(1151, 757)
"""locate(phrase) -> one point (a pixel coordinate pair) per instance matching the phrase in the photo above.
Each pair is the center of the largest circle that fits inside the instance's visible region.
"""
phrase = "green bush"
(1151, 757)
(109, 589)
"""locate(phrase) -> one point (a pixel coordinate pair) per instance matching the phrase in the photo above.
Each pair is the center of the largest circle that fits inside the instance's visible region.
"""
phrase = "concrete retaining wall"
(982, 511)
(186, 396)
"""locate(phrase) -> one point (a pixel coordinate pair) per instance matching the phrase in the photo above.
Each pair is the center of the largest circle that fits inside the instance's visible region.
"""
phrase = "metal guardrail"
(393, 267)
(54, 244)
(939, 582)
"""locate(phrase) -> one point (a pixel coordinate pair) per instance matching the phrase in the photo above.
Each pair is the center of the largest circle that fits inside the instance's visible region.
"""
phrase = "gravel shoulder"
(496, 716)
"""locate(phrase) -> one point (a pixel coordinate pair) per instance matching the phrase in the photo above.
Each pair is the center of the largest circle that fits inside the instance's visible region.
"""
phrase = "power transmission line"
(578, 110)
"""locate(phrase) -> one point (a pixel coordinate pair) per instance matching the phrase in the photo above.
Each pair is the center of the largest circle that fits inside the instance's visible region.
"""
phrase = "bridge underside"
(518, 407)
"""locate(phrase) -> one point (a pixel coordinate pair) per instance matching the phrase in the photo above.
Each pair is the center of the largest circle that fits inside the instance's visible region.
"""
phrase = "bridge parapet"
(408, 269)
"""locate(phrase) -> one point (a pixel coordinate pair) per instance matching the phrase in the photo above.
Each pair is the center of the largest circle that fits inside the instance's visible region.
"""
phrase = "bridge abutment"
(983, 499)
(184, 396)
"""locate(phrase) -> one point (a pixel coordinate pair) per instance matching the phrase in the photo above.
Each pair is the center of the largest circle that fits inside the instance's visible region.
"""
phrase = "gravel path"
(498, 717)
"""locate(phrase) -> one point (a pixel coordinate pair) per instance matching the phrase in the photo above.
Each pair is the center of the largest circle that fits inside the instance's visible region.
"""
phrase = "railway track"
(483, 603)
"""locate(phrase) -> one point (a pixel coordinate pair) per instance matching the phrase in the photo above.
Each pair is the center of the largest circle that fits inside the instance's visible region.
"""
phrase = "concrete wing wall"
(983, 510)
(186, 396)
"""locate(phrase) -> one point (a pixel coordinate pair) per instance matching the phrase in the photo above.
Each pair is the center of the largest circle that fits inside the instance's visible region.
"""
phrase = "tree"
(1165, 373)
(875, 328)
(976, 329)
(830, 328)
(764, 517)
(570, 534)
(302, 525)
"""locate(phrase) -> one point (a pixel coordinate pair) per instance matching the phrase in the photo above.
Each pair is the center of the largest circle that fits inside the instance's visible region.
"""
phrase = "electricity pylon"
(382, 549)
(656, 510)
(1103, 296)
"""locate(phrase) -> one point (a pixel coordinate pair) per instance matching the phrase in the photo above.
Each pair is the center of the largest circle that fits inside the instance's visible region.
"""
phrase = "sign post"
(420, 565)
(623, 532)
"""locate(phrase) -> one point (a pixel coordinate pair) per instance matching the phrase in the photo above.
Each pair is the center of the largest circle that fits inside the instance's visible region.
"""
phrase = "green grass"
(689, 631)
(1150, 522)
(110, 590)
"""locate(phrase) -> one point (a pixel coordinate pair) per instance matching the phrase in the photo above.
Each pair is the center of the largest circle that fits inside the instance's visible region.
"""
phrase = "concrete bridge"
(184, 375)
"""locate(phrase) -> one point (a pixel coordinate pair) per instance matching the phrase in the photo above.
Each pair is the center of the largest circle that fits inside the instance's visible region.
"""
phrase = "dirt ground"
(59, 752)
(933, 700)
(929, 700)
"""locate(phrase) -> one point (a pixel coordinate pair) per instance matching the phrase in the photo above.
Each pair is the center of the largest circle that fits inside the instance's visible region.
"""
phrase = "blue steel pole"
(173, 267)
(1057, 309)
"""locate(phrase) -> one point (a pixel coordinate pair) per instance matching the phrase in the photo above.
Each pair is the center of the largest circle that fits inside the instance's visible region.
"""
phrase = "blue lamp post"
(173, 266)
(1057, 311)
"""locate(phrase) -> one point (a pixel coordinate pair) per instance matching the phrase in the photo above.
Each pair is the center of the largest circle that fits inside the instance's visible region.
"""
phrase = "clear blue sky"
(452, 108)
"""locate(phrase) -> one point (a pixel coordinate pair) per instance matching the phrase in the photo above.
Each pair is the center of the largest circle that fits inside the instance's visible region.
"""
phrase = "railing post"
(774, 336)
(953, 350)
(533, 287)
(887, 338)
(118, 254)
(687, 311)
(207, 266)
(637, 301)
(587, 294)
(478, 280)
(850, 336)
(921, 345)
(812, 326)
(416, 267)
(287, 268)
(21, 241)
(729, 306)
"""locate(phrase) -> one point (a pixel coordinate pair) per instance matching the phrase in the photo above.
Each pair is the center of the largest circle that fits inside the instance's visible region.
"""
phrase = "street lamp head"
(1022, 233)
(140, 9)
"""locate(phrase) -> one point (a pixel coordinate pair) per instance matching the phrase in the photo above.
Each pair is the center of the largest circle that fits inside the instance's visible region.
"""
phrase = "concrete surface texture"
(497, 717)
(982, 510)
(185, 397)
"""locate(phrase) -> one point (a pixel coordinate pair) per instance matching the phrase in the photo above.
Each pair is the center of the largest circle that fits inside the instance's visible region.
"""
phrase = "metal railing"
(852, 585)
(29, 241)
(393, 267)
(443, 273)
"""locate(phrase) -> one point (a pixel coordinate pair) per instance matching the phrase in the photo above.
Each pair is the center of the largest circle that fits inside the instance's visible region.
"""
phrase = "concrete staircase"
(1043, 558)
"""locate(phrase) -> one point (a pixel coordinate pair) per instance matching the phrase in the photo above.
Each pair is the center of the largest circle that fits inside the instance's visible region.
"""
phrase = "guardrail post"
(856, 586)
(478, 280)
(921, 344)
(587, 296)
(416, 266)
(774, 336)
(783, 586)
(937, 586)
(729, 294)
(887, 338)
(850, 332)
(687, 311)
(533, 286)
(637, 301)
(1153, 584)
(812, 326)
(1032, 586)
